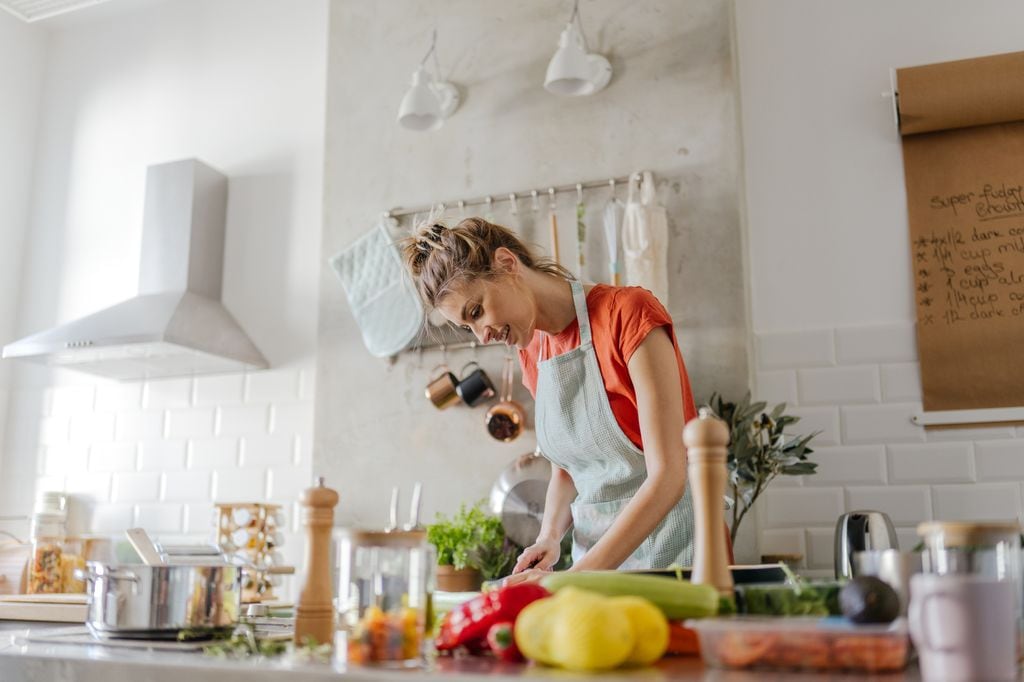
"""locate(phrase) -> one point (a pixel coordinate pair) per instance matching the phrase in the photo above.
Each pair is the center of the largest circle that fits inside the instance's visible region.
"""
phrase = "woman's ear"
(505, 261)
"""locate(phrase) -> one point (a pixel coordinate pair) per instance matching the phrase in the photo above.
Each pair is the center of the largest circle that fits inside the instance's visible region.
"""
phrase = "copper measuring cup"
(507, 419)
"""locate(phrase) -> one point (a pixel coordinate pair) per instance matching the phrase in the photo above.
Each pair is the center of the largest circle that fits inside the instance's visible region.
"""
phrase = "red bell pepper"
(503, 643)
(468, 624)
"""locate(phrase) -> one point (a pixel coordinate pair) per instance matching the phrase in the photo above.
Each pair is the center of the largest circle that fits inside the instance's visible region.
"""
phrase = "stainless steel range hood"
(177, 325)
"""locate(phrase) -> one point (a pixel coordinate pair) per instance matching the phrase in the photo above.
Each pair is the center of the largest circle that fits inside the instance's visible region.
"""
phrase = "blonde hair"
(441, 257)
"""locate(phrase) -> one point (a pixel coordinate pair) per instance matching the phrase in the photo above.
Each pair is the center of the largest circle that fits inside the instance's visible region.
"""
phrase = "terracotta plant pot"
(462, 580)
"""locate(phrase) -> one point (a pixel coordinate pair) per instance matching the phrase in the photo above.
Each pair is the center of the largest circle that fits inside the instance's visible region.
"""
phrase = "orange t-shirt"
(620, 320)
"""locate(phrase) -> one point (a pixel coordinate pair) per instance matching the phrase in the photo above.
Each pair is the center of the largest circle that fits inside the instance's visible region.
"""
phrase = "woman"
(612, 394)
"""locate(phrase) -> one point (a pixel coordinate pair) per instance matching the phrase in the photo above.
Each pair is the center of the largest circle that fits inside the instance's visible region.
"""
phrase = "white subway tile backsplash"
(825, 420)
(786, 541)
(92, 427)
(240, 485)
(163, 455)
(187, 486)
(838, 385)
(54, 430)
(906, 537)
(969, 433)
(194, 423)
(199, 520)
(901, 383)
(213, 453)
(239, 421)
(847, 464)
(304, 449)
(977, 502)
(876, 344)
(118, 397)
(164, 517)
(51, 482)
(880, 423)
(167, 394)
(948, 462)
(263, 451)
(69, 400)
(306, 385)
(287, 483)
(272, 385)
(136, 487)
(776, 387)
(796, 349)
(92, 486)
(224, 389)
(139, 425)
(113, 457)
(291, 418)
(795, 507)
(904, 504)
(999, 460)
(63, 460)
(821, 548)
(112, 519)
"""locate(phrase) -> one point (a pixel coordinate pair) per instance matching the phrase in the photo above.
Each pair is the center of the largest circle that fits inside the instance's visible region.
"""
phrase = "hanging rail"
(532, 195)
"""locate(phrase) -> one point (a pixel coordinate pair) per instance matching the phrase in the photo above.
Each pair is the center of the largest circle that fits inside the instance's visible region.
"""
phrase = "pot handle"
(123, 575)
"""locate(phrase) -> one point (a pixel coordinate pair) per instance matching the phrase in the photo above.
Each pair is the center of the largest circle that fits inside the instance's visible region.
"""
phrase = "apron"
(577, 431)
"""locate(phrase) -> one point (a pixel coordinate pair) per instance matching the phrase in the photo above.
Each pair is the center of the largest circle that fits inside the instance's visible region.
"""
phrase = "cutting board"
(52, 608)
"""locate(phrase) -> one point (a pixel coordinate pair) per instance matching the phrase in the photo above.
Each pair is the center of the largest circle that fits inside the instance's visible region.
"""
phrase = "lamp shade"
(572, 71)
(421, 107)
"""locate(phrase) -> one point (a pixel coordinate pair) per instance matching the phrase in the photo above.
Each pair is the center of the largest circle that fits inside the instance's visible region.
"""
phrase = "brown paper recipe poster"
(963, 158)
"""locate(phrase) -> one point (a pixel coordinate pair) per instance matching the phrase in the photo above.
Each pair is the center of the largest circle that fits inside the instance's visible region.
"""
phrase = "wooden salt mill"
(314, 613)
(706, 438)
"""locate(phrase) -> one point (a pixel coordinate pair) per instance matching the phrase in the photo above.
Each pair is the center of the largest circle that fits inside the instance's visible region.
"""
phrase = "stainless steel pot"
(517, 497)
(159, 602)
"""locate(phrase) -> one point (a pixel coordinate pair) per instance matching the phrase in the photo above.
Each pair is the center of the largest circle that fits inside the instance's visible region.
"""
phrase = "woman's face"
(495, 310)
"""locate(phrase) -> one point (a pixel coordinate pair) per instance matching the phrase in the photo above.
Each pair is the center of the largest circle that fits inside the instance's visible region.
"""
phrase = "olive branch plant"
(759, 450)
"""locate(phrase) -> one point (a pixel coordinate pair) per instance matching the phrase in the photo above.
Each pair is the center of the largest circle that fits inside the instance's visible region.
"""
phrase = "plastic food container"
(822, 644)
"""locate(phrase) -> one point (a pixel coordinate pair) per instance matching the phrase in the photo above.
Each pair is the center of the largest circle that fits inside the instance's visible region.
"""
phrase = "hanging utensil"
(554, 225)
(507, 419)
(581, 233)
(517, 497)
(613, 211)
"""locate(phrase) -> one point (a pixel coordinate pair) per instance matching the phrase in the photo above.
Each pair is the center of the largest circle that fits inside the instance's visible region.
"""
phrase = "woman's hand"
(530, 575)
(542, 555)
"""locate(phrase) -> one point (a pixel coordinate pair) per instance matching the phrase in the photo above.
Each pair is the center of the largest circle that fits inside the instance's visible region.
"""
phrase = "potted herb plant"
(471, 547)
(759, 450)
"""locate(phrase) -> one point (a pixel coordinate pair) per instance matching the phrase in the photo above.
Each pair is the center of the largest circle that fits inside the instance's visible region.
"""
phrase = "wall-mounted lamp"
(429, 100)
(574, 71)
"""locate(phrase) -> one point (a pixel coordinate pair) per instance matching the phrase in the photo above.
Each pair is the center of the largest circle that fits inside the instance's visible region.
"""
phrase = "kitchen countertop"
(27, 661)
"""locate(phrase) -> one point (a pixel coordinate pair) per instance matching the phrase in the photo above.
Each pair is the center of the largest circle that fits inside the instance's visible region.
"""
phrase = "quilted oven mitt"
(383, 298)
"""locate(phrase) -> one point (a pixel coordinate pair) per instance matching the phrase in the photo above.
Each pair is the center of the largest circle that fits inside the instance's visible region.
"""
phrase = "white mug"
(964, 627)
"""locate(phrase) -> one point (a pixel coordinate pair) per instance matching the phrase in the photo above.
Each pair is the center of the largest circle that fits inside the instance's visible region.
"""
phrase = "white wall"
(23, 45)
(240, 85)
(830, 281)
(670, 108)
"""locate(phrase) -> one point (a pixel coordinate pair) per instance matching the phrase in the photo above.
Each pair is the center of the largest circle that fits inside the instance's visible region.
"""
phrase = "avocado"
(866, 599)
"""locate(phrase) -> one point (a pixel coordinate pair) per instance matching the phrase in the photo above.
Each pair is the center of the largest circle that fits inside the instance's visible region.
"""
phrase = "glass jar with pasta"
(46, 570)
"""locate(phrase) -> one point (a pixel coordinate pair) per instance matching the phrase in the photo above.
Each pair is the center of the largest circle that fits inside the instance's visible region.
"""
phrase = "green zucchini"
(677, 599)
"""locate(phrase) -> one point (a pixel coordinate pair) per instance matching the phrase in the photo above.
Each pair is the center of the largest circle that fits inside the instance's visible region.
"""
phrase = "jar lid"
(963, 533)
(381, 538)
(47, 524)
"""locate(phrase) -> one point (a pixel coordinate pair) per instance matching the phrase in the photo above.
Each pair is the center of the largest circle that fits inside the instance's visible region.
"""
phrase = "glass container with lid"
(384, 592)
(46, 571)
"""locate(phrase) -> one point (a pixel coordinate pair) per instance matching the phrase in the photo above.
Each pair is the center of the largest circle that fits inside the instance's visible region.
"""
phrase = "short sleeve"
(635, 313)
(528, 365)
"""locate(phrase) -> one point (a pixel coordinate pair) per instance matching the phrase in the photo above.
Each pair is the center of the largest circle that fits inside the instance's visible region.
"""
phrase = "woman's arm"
(655, 377)
(545, 552)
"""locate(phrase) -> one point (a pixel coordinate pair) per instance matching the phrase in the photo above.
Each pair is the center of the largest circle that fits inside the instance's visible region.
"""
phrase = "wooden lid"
(382, 538)
(706, 431)
(962, 534)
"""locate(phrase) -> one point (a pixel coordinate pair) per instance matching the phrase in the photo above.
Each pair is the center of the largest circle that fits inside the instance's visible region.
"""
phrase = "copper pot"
(507, 419)
(441, 389)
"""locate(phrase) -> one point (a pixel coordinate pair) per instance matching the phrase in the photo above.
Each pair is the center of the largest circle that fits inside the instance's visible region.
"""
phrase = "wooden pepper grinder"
(706, 439)
(314, 614)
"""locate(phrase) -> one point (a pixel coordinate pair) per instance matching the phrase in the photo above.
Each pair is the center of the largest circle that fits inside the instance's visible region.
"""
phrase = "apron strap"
(579, 298)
